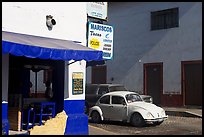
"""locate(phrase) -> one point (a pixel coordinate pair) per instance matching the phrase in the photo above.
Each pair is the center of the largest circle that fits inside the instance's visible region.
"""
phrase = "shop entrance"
(24, 70)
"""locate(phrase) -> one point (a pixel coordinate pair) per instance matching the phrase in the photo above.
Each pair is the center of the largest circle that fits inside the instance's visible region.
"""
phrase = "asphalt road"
(174, 125)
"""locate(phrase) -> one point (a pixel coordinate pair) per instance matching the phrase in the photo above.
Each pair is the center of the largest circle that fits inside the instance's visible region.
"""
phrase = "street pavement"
(174, 111)
(98, 131)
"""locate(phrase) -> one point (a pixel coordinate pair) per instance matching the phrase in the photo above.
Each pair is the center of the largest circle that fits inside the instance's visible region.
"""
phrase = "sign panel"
(100, 37)
(77, 83)
(97, 10)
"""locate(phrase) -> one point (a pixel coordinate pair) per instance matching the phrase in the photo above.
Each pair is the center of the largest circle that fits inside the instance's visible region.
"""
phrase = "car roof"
(109, 84)
(123, 93)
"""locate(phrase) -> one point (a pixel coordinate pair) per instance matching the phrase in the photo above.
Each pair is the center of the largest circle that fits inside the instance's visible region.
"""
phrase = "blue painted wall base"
(77, 121)
(5, 122)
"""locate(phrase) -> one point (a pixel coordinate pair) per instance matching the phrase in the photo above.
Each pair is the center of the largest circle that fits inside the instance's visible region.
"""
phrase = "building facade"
(37, 23)
(157, 50)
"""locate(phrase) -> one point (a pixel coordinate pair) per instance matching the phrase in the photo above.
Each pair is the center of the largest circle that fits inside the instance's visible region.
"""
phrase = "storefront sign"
(77, 83)
(97, 10)
(100, 37)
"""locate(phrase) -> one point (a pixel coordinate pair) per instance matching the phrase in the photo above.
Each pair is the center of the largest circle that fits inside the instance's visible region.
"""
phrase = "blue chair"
(32, 119)
(45, 110)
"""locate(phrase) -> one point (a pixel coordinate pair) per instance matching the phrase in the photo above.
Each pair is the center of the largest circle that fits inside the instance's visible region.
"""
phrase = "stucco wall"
(30, 18)
(135, 44)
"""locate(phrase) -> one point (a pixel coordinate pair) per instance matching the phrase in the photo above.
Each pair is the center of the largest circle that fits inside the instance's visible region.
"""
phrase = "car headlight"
(149, 115)
(163, 113)
(151, 100)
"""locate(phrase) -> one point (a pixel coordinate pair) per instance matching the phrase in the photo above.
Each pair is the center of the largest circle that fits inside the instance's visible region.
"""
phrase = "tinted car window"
(91, 89)
(105, 100)
(102, 90)
(117, 88)
(133, 98)
(117, 100)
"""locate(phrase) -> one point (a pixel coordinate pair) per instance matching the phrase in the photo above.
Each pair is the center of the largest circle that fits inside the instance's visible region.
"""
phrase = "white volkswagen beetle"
(126, 106)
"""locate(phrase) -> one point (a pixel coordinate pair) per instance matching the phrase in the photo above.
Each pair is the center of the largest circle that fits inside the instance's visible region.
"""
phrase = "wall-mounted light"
(50, 22)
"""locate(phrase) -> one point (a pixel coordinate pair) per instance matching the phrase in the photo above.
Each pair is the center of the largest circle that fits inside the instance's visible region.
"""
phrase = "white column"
(5, 76)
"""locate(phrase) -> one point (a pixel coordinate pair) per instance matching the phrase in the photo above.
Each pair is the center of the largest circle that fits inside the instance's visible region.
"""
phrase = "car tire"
(95, 117)
(137, 120)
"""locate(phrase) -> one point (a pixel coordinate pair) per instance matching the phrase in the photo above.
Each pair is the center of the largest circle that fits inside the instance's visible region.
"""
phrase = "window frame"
(107, 96)
(115, 96)
(159, 19)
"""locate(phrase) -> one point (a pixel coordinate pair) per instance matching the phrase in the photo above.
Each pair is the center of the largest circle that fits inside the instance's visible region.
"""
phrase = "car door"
(104, 104)
(117, 109)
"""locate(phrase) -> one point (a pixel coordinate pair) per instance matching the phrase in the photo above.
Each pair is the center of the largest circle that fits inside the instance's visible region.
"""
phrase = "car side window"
(91, 89)
(102, 90)
(105, 100)
(118, 100)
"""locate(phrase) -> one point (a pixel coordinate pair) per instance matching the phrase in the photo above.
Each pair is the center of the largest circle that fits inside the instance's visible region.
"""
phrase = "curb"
(183, 114)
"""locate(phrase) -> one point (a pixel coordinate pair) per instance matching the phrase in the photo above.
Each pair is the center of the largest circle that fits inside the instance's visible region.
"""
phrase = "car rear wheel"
(95, 117)
(137, 120)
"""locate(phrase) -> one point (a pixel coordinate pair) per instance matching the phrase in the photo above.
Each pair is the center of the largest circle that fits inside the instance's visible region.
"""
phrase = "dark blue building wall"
(77, 121)
(5, 122)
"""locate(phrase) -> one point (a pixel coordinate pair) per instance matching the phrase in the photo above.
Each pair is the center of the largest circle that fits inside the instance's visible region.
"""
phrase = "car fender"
(96, 108)
(139, 110)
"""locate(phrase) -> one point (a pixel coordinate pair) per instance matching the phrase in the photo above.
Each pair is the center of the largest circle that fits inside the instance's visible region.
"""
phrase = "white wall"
(135, 44)
(30, 18)
(79, 66)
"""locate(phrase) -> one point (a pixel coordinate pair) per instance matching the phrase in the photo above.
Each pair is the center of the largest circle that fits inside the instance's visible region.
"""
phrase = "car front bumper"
(156, 119)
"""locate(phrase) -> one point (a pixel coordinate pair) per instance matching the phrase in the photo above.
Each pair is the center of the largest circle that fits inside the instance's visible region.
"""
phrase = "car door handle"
(111, 106)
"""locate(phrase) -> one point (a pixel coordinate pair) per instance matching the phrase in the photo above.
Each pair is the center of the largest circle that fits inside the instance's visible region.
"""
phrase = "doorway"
(153, 81)
(192, 83)
(99, 74)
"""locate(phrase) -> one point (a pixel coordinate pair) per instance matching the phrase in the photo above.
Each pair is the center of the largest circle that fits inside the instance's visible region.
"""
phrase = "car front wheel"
(137, 120)
(95, 117)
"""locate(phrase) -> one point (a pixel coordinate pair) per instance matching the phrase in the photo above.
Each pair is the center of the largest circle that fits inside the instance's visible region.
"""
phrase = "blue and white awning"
(47, 48)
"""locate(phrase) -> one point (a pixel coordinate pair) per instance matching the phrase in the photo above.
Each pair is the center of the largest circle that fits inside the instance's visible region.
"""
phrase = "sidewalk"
(184, 111)
(92, 131)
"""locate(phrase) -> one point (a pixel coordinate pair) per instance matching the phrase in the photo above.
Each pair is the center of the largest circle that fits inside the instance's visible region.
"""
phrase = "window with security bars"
(165, 19)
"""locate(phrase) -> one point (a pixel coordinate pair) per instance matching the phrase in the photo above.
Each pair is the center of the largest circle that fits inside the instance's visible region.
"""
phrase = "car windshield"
(118, 88)
(133, 98)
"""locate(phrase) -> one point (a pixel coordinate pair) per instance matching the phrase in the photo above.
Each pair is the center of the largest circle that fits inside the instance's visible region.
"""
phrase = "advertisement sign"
(100, 37)
(97, 10)
(77, 83)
